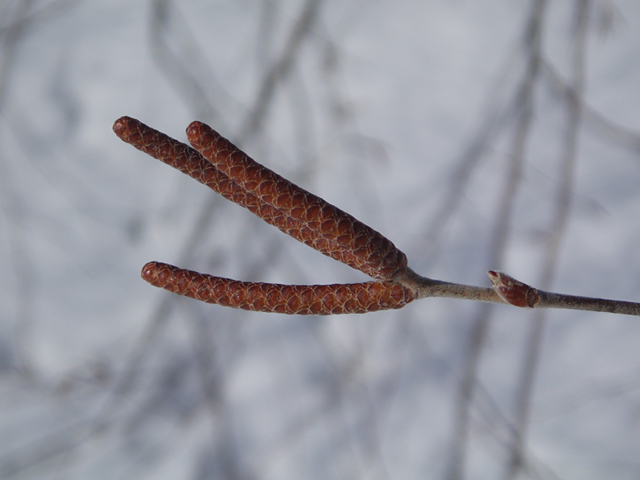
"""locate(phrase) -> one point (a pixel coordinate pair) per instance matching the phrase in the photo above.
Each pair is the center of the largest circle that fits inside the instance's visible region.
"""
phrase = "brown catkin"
(375, 254)
(192, 163)
(276, 298)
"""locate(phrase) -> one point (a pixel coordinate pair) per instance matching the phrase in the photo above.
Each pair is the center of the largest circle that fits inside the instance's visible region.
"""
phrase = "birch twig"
(220, 165)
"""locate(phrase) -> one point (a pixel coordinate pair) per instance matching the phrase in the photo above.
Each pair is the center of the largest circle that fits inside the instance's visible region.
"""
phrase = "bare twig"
(514, 292)
(522, 295)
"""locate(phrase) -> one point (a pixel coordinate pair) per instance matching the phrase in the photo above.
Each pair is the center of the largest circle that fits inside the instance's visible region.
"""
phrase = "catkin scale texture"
(275, 298)
(374, 252)
(275, 200)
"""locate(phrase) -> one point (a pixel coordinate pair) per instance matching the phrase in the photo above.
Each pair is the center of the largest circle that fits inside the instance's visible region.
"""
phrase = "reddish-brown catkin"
(275, 298)
(377, 255)
(190, 162)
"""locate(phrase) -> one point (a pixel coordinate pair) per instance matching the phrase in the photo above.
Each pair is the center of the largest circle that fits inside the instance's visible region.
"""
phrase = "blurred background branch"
(475, 135)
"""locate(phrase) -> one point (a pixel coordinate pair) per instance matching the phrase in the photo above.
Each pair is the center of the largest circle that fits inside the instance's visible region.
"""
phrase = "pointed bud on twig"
(514, 291)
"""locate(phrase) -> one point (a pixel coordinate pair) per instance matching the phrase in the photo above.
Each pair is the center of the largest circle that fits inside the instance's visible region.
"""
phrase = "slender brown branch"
(573, 302)
(426, 287)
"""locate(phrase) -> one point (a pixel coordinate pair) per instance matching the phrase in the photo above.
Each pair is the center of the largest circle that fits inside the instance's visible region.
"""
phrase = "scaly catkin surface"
(192, 163)
(275, 298)
(377, 254)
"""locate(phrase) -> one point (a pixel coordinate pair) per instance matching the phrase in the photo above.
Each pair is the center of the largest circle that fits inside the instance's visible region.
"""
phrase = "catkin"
(275, 298)
(378, 258)
(374, 254)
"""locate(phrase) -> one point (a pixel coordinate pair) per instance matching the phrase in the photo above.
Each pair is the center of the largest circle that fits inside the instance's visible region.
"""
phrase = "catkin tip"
(149, 272)
(120, 125)
(193, 130)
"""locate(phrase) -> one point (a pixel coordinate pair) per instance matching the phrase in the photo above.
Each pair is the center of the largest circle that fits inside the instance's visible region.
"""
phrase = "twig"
(522, 295)
(315, 222)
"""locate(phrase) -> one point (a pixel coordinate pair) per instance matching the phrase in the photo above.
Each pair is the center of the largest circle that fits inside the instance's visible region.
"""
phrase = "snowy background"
(454, 127)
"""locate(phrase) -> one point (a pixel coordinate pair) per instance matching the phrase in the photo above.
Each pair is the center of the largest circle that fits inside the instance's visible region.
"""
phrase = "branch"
(522, 295)
(224, 168)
